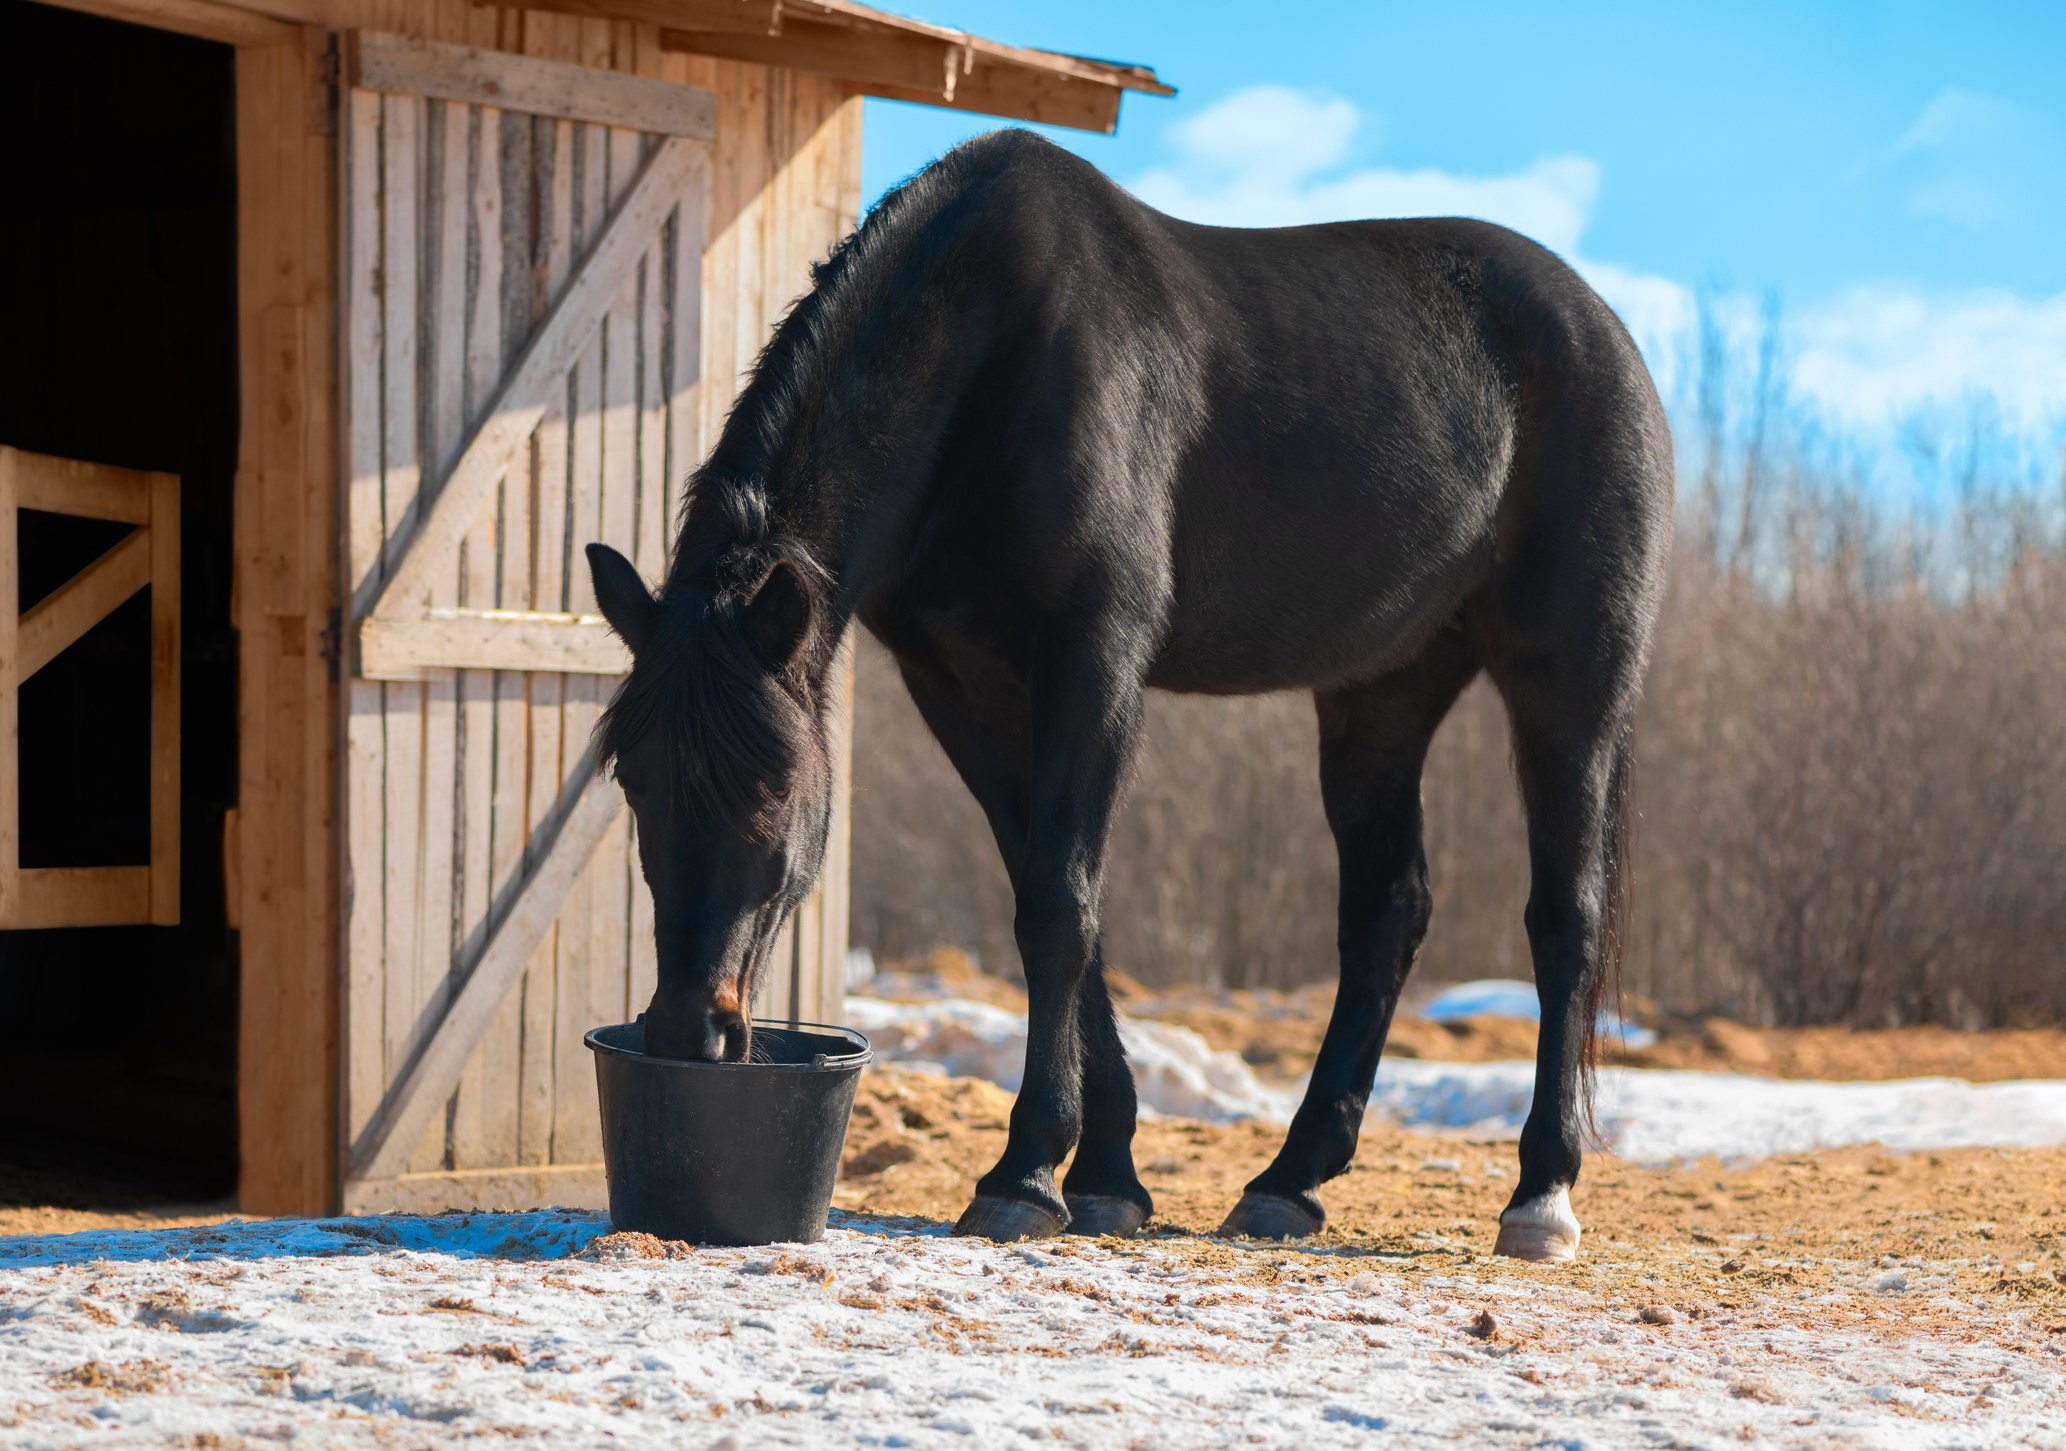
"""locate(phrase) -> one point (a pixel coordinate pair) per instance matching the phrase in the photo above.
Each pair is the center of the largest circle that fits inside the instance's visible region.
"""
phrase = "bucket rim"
(863, 1055)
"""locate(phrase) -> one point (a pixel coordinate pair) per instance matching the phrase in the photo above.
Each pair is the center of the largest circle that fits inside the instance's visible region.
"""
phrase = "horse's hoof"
(1542, 1229)
(1270, 1216)
(1005, 1220)
(1104, 1214)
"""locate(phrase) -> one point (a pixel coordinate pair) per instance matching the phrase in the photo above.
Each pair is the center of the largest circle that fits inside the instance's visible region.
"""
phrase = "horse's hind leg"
(1373, 741)
(1570, 752)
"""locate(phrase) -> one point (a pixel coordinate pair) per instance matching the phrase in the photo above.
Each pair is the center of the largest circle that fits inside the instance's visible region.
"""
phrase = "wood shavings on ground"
(432, 1331)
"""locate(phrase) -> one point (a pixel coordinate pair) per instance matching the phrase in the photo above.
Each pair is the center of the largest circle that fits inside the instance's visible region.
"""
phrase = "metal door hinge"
(333, 642)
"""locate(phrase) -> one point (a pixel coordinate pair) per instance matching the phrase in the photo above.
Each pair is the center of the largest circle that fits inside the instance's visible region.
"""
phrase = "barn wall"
(521, 1126)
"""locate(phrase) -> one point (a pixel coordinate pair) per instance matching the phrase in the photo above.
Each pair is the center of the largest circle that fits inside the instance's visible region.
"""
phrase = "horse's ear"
(623, 597)
(778, 617)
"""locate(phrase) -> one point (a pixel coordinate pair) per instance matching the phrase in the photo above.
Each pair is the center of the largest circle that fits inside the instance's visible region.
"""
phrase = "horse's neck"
(851, 491)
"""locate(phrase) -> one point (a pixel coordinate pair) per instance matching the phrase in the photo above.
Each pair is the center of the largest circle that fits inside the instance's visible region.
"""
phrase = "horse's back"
(1395, 405)
(1312, 443)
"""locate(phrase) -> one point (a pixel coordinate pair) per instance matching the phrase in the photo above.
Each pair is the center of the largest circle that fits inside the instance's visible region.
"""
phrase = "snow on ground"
(417, 1332)
(1654, 1116)
(1649, 1116)
(1173, 1069)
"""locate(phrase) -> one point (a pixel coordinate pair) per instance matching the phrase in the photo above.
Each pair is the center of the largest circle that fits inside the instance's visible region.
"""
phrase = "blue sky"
(1894, 174)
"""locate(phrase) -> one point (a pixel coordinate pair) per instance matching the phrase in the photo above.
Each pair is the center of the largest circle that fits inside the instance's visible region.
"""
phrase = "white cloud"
(1266, 157)
(1259, 158)
(1969, 158)
(1271, 157)
(1876, 354)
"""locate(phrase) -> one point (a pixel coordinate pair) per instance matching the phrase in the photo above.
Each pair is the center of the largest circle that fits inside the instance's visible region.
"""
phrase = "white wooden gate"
(521, 263)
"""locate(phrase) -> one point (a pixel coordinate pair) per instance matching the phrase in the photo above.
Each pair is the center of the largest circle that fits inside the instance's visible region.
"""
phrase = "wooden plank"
(230, 24)
(544, 553)
(449, 212)
(1044, 98)
(576, 1128)
(626, 356)
(647, 550)
(286, 526)
(683, 352)
(576, 1186)
(165, 722)
(401, 463)
(475, 77)
(70, 486)
(82, 602)
(434, 911)
(472, 1145)
(502, 1054)
(365, 855)
(609, 927)
(80, 897)
(834, 876)
(522, 401)
(929, 65)
(365, 901)
(746, 17)
(10, 681)
(643, 977)
(496, 640)
(616, 506)
(232, 872)
(402, 480)
(360, 268)
(425, 1083)
(445, 211)
(575, 1131)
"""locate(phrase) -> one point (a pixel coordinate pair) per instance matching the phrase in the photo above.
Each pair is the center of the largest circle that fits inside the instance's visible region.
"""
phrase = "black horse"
(1053, 448)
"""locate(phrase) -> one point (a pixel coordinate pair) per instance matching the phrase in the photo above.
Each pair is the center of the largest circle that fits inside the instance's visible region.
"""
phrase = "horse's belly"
(1334, 621)
(1323, 585)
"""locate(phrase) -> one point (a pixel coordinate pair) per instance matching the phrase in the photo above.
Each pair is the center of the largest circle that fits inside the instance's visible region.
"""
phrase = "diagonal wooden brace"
(83, 601)
(421, 1090)
(412, 561)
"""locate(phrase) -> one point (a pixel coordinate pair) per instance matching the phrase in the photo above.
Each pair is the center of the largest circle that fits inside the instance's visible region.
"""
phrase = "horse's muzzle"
(700, 1035)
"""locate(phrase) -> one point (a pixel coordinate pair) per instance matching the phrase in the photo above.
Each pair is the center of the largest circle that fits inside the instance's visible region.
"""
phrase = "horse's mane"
(855, 295)
(735, 730)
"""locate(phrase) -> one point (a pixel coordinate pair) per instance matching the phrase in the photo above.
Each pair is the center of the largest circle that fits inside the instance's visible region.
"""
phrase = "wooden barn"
(333, 329)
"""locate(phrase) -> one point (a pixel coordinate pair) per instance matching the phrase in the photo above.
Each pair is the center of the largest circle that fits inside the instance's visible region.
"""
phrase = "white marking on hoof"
(1542, 1229)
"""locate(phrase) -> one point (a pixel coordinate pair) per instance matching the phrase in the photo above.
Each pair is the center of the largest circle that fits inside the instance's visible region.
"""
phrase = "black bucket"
(726, 1153)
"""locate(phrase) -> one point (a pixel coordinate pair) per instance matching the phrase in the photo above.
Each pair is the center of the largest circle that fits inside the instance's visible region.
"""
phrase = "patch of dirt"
(56, 1187)
(128, 1378)
(1279, 1034)
(1933, 1230)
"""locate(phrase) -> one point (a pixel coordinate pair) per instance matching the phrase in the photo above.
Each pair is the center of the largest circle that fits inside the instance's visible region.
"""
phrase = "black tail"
(1603, 984)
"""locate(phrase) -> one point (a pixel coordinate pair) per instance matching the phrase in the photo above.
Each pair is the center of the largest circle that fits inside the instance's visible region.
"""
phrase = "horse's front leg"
(1373, 740)
(1086, 724)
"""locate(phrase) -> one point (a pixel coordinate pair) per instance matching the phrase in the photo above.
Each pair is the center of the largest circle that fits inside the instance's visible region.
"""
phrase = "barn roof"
(873, 51)
(881, 54)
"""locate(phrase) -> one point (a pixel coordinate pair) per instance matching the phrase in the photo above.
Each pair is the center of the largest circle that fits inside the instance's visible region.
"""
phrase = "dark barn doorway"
(118, 339)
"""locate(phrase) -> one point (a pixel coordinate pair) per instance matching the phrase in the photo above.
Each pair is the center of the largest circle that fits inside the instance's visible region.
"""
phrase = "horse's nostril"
(737, 1039)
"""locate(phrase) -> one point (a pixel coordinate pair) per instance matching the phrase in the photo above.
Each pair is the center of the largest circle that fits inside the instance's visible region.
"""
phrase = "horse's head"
(718, 741)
